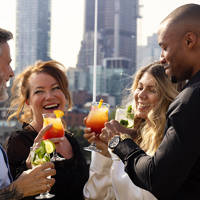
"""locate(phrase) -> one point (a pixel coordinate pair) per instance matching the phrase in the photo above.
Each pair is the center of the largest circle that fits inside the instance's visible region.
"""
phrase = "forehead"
(4, 51)
(41, 79)
(147, 79)
(169, 33)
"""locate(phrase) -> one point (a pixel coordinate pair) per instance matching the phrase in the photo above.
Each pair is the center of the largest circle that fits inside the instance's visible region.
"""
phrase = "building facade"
(117, 28)
(32, 32)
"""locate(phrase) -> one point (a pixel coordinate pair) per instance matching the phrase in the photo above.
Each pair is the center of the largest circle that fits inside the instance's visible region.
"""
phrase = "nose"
(11, 73)
(48, 95)
(162, 58)
(142, 94)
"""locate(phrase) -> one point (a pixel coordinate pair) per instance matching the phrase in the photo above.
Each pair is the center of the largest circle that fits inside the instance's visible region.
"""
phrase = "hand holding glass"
(56, 131)
(95, 120)
(35, 160)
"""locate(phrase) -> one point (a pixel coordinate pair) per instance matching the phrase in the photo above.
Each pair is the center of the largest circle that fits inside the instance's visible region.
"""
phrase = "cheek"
(135, 97)
(154, 100)
(63, 100)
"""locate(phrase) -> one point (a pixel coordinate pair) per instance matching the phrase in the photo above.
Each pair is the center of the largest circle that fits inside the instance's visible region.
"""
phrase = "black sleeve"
(71, 174)
(166, 172)
(17, 149)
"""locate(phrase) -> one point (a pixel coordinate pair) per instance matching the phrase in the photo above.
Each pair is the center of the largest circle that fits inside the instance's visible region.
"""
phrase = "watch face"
(114, 142)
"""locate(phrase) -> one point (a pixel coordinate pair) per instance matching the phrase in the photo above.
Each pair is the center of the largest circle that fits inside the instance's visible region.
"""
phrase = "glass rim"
(96, 103)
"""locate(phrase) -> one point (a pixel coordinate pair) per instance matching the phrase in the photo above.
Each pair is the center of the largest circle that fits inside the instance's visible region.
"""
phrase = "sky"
(65, 42)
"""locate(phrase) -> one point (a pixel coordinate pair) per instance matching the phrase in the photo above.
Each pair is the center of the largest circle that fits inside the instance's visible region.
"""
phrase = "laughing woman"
(151, 94)
(39, 89)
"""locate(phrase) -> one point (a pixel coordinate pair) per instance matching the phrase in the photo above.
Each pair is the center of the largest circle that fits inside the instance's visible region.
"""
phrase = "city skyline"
(70, 14)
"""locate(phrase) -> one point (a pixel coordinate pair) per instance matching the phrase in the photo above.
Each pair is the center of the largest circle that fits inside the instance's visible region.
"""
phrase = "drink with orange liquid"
(97, 117)
(57, 129)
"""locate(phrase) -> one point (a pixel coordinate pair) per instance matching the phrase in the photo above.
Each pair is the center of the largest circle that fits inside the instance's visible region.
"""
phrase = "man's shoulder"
(187, 100)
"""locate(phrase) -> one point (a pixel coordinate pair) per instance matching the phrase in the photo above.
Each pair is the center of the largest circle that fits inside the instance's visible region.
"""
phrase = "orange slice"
(58, 113)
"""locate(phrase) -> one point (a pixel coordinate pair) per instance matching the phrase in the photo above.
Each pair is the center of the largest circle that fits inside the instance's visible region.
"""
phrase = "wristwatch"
(117, 139)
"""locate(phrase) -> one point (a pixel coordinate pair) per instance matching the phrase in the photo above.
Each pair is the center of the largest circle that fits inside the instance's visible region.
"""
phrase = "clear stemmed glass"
(120, 113)
(56, 131)
(123, 115)
(95, 120)
(35, 160)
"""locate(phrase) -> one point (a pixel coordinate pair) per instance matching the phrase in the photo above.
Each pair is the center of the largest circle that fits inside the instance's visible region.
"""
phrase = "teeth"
(51, 106)
(144, 105)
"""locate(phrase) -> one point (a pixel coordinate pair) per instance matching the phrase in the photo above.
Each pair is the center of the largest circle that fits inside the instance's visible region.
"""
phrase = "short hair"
(4, 37)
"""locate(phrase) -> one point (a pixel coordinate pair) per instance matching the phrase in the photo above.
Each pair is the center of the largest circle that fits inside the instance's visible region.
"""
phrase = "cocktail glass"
(96, 118)
(35, 160)
(56, 131)
(122, 115)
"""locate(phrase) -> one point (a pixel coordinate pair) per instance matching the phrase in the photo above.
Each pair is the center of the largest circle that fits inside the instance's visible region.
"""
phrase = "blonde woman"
(151, 93)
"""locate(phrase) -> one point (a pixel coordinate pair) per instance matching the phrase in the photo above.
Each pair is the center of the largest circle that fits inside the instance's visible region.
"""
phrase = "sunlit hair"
(21, 88)
(151, 130)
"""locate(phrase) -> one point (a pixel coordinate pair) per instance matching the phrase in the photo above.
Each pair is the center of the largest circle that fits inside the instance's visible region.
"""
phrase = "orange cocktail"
(97, 117)
(57, 129)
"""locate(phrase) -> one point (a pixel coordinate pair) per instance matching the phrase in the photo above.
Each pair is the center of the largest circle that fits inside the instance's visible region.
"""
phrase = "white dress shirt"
(109, 181)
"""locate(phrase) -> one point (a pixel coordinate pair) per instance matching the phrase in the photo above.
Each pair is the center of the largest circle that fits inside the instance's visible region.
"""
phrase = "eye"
(38, 91)
(139, 88)
(56, 88)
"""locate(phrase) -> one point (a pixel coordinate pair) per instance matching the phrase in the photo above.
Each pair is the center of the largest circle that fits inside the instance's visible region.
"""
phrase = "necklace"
(32, 128)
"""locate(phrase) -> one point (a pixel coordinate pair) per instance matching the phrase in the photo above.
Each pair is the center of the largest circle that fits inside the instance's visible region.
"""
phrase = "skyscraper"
(117, 28)
(32, 32)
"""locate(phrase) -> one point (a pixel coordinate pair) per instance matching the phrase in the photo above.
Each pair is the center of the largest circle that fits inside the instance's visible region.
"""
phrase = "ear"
(190, 39)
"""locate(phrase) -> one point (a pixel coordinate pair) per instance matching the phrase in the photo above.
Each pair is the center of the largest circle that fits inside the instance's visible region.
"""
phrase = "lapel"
(7, 164)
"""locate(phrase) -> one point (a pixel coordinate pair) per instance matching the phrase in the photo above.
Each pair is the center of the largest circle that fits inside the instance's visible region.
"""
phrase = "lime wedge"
(130, 124)
(126, 123)
(40, 151)
(49, 146)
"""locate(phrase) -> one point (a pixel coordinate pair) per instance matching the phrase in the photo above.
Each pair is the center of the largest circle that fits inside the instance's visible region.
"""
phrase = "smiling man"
(173, 172)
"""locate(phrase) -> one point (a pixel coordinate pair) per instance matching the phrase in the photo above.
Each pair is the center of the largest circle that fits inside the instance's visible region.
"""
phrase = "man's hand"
(34, 181)
(113, 128)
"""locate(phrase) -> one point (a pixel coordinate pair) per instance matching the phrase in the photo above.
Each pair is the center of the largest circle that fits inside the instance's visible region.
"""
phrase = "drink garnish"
(100, 103)
(129, 122)
(49, 146)
(42, 153)
(58, 113)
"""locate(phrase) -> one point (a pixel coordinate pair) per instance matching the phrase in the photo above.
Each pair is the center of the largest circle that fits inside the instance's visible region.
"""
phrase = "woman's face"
(146, 95)
(45, 95)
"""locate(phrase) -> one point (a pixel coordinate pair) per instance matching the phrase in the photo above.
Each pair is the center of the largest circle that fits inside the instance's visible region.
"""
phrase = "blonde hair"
(150, 134)
(20, 90)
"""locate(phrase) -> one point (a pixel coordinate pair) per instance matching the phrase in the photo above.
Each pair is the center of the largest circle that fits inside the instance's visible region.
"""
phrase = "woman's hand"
(91, 137)
(63, 147)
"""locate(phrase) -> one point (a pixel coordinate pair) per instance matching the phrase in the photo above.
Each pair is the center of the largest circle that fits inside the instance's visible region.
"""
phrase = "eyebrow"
(149, 86)
(40, 87)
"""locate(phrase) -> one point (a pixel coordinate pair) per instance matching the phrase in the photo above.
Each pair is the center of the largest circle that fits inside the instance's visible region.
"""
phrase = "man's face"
(6, 71)
(174, 54)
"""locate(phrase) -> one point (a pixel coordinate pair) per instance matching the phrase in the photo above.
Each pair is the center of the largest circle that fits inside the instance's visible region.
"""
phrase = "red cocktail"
(97, 117)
